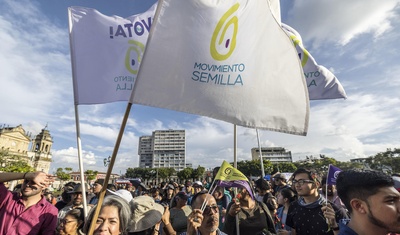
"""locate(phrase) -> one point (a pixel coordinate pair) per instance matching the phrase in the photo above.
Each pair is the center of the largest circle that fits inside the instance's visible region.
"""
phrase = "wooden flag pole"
(110, 167)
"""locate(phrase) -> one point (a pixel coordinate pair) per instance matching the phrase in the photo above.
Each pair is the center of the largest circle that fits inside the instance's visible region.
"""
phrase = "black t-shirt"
(308, 221)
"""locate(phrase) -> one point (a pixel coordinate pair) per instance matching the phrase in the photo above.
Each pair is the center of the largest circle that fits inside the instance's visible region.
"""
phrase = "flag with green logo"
(228, 60)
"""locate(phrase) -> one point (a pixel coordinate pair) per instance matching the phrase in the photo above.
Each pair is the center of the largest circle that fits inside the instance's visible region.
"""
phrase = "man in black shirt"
(311, 214)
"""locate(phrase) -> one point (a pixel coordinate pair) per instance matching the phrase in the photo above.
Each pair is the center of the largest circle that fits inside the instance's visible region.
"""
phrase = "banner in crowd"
(333, 173)
(229, 176)
(106, 52)
(200, 59)
(321, 83)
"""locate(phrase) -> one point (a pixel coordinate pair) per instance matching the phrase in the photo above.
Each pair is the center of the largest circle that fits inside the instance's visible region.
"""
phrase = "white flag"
(105, 53)
(321, 82)
(228, 60)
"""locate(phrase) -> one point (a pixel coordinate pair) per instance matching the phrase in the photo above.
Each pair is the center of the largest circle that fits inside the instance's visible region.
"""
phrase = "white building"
(165, 148)
(273, 154)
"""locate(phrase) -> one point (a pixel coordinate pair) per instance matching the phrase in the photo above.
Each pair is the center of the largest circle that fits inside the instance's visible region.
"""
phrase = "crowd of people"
(361, 202)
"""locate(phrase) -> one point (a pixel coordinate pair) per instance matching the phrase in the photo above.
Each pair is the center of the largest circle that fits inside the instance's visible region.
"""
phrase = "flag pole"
(79, 146)
(110, 167)
(235, 165)
(261, 159)
(77, 125)
(326, 185)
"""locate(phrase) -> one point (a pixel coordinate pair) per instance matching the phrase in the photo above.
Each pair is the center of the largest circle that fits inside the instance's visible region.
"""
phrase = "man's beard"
(378, 222)
(77, 202)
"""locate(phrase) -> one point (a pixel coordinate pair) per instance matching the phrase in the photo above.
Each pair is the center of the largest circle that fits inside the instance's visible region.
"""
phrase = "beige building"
(165, 148)
(273, 154)
(16, 142)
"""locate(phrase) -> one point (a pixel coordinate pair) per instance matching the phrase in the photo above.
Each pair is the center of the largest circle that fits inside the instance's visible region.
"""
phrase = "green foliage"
(163, 173)
(252, 167)
(284, 167)
(143, 173)
(64, 174)
(185, 173)
(13, 163)
(91, 175)
(198, 172)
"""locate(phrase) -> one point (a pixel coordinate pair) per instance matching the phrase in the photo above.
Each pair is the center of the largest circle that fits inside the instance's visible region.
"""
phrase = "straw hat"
(146, 213)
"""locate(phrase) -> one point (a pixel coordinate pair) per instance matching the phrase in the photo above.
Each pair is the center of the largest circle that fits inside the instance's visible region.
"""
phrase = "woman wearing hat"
(180, 213)
(146, 216)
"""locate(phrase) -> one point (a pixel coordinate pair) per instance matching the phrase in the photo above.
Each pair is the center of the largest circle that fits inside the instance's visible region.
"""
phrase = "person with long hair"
(285, 197)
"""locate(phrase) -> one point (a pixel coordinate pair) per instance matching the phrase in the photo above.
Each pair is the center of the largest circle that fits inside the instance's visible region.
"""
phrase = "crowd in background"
(301, 204)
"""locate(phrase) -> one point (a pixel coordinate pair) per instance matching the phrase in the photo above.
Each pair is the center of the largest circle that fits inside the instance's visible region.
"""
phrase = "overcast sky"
(357, 40)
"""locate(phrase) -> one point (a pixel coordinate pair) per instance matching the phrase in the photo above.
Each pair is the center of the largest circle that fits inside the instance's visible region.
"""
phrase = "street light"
(107, 161)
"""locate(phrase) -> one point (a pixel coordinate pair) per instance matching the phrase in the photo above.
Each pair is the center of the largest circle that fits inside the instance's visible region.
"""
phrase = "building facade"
(16, 144)
(164, 148)
(273, 154)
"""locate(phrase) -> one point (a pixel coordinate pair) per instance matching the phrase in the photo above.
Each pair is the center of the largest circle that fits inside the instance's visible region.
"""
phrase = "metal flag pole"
(235, 165)
(79, 146)
(261, 158)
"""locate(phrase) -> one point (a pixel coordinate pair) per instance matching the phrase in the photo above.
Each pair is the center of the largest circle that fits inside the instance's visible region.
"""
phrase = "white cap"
(198, 183)
(125, 194)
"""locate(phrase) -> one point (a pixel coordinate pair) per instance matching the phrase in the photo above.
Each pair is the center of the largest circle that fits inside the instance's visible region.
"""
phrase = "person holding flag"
(328, 187)
(252, 216)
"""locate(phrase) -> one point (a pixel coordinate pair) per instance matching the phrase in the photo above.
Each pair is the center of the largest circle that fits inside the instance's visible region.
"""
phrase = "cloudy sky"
(357, 40)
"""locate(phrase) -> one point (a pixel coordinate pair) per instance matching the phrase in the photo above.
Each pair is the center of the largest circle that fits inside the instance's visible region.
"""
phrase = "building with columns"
(16, 144)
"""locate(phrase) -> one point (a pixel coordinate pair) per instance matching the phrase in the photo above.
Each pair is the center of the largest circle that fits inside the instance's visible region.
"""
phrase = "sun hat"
(78, 189)
(125, 194)
(146, 213)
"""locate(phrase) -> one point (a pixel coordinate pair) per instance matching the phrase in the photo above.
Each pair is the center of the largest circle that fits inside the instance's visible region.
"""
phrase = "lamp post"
(106, 161)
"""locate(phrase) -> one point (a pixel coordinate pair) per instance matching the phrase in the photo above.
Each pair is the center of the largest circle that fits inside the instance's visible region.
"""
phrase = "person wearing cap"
(76, 199)
(188, 189)
(169, 194)
(180, 212)
(123, 193)
(146, 216)
(197, 187)
(203, 221)
(27, 212)
(65, 196)
(97, 186)
(280, 182)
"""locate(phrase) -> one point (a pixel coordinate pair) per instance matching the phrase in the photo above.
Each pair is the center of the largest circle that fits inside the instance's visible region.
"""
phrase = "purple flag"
(333, 173)
(237, 183)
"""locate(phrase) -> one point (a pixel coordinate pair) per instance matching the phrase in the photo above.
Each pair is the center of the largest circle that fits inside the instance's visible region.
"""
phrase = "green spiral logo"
(138, 47)
(223, 24)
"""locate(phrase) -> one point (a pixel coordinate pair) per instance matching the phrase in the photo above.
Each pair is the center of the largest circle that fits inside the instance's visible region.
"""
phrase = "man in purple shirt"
(28, 212)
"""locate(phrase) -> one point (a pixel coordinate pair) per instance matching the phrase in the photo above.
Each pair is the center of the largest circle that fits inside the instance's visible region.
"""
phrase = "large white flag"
(229, 60)
(321, 82)
(105, 53)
